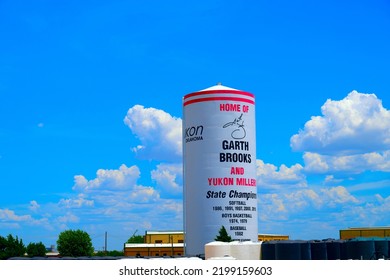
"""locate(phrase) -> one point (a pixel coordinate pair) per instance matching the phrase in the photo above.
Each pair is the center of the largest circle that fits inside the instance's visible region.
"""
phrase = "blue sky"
(91, 108)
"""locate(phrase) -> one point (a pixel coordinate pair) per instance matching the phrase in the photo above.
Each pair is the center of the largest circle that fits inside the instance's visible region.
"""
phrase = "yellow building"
(171, 243)
(270, 237)
(153, 250)
(157, 243)
(365, 232)
(153, 237)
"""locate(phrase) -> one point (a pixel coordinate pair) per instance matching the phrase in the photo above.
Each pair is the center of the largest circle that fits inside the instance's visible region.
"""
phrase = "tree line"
(70, 243)
(13, 247)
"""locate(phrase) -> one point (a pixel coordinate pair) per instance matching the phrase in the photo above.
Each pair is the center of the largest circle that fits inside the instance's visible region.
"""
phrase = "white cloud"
(328, 143)
(331, 179)
(160, 133)
(142, 194)
(384, 205)
(78, 202)
(268, 175)
(301, 199)
(358, 124)
(169, 178)
(287, 204)
(34, 206)
(68, 218)
(337, 195)
(113, 188)
(352, 136)
(317, 163)
(334, 208)
(270, 205)
(370, 212)
(9, 215)
(122, 178)
(115, 195)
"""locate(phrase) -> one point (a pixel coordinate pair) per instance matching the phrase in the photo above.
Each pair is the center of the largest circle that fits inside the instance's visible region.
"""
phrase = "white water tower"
(219, 150)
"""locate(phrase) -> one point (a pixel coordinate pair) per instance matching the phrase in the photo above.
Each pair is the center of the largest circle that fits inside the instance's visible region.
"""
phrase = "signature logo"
(238, 128)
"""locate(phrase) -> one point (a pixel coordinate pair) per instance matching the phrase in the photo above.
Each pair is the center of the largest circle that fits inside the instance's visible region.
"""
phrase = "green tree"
(74, 243)
(36, 249)
(114, 253)
(3, 247)
(11, 247)
(136, 238)
(223, 235)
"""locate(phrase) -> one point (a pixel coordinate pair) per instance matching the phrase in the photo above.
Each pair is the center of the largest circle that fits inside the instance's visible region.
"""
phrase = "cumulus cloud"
(10, 215)
(115, 194)
(284, 204)
(317, 163)
(169, 178)
(352, 136)
(337, 195)
(113, 188)
(269, 175)
(160, 133)
(122, 178)
(372, 211)
(270, 205)
(14, 220)
(142, 194)
(358, 124)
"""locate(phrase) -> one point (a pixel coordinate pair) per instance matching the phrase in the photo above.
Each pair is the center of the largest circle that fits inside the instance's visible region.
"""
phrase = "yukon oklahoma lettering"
(193, 133)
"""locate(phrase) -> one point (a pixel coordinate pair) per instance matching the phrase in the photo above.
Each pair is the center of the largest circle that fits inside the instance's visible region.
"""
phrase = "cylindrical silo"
(268, 249)
(318, 250)
(305, 249)
(333, 249)
(217, 249)
(362, 248)
(219, 160)
(247, 250)
(381, 248)
(288, 250)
